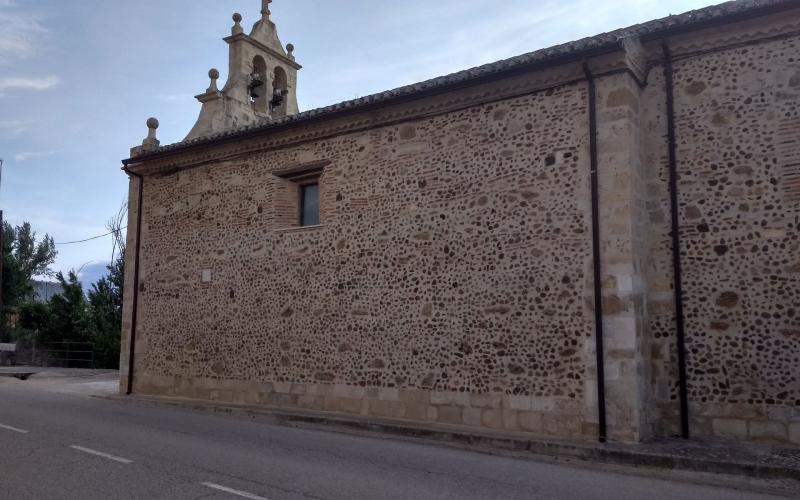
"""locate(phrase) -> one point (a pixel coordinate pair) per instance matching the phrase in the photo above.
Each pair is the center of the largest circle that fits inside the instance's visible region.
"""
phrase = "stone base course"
(488, 411)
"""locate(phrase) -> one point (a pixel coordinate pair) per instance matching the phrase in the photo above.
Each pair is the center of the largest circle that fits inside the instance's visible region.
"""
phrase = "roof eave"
(557, 60)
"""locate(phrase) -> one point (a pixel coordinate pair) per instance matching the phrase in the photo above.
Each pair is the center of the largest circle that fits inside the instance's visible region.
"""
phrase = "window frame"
(301, 176)
(302, 185)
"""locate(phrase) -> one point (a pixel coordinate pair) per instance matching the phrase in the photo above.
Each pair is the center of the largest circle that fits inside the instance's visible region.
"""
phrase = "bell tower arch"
(261, 83)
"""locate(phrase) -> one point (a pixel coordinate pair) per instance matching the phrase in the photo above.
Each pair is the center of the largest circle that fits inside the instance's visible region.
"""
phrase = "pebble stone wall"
(738, 116)
(450, 278)
(449, 264)
(737, 123)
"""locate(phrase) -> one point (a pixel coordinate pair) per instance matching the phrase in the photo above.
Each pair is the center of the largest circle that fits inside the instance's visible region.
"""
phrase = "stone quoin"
(429, 253)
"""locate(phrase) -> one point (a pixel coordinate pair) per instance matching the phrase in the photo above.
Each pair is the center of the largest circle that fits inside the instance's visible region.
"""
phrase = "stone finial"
(151, 141)
(237, 26)
(290, 50)
(214, 75)
(265, 12)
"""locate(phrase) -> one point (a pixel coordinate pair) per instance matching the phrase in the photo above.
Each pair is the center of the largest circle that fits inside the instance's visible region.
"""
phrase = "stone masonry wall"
(665, 411)
(447, 281)
(622, 235)
(737, 122)
(738, 129)
(450, 279)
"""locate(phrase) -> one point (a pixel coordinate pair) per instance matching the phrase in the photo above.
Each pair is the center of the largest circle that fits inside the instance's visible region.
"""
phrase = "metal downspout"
(676, 240)
(598, 285)
(135, 305)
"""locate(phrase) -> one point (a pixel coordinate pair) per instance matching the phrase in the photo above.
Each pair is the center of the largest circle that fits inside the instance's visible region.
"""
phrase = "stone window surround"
(299, 176)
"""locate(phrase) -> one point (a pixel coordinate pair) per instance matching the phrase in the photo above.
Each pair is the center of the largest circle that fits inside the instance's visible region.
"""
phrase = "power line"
(92, 238)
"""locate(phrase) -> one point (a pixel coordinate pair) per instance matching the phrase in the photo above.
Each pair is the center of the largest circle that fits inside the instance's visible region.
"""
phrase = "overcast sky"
(78, 78)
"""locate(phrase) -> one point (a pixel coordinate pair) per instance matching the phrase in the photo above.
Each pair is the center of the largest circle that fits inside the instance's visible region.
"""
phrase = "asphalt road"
(62, 444)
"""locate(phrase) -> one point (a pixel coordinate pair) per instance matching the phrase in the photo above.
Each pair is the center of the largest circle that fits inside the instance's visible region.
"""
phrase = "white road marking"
(233, 492)
(13, 429)
(101, 454)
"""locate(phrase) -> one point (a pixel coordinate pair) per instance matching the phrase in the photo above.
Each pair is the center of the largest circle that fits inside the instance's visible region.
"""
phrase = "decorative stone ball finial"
(214, 75)
(265, 9)
(151, 141)
(290, 50)
(237, 27)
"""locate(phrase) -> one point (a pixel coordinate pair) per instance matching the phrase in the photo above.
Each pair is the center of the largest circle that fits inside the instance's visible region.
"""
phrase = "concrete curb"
(519, 444)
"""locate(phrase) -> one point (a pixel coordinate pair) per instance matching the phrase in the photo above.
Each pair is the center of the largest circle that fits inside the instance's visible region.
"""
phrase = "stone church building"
(597, 240)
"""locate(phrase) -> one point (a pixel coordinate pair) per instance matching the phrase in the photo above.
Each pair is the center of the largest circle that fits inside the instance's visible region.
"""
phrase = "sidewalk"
(55, 372)
(719, 457)
(87, 381)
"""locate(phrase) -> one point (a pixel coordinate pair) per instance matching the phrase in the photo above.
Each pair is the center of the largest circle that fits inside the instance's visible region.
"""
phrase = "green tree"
(69, 318)
(23, 259)
(34, 317)
(105, 298)
(105, 305)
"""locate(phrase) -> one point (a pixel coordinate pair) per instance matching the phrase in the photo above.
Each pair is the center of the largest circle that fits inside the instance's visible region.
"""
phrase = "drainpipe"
(598, 285)
(676, 240)
(135, 305)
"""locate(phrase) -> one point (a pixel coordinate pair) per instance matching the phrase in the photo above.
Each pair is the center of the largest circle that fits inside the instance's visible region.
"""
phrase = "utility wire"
(92, 238)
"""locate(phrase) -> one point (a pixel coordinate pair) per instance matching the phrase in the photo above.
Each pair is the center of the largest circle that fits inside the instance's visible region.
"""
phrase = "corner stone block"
(414, 396)
(417, 411)
(311, 402)
(441, 398)
(351, 405)
(561, 425)
(472, 417)
(730, 427)
(393, 409)
(522, 403)
(768, 430)
(283, 387)
(530, 421)
(450, 414)
(794, 433)
(485, 401)
(510, 420)
(492, 419)
(542, 404)
(389, 394)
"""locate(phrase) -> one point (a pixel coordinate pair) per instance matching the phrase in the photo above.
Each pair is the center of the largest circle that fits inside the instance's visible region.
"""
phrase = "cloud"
(464, 43)
(91, 272)
(23, 83)
(499, 34)
(20, 157)
(20, 33)
(175, 97)
(14, 127)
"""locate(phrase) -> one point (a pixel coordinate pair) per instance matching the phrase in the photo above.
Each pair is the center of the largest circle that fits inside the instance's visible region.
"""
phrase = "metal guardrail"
(8, 354)
(69, 353)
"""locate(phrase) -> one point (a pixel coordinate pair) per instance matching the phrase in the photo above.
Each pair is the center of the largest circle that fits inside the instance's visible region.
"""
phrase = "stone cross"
(265, 8)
